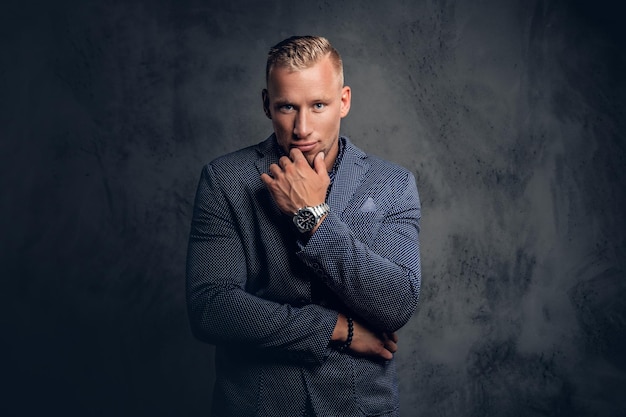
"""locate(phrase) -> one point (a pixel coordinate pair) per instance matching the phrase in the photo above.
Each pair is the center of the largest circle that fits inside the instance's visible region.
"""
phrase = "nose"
(302, 127)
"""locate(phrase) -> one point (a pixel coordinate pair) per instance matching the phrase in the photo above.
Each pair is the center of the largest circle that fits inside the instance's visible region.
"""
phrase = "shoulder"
(237, 171)
(239, 163)
(376, 165)
(236, 160)
(383, 165)
(388, 181)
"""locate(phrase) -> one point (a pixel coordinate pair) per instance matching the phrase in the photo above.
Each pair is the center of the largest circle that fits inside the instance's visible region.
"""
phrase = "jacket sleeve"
(380, 280)
(221, 311)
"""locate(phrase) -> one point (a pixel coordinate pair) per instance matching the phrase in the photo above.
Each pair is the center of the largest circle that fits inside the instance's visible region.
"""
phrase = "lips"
(304, 147)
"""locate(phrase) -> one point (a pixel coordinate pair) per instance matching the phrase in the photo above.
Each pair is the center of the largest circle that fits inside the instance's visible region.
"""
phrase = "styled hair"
(301, 52)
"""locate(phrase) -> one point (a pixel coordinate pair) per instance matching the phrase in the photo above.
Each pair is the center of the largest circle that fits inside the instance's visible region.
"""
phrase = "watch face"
(305, 220)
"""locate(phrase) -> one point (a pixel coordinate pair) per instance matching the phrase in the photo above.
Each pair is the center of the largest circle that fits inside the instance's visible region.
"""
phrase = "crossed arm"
(221, 311)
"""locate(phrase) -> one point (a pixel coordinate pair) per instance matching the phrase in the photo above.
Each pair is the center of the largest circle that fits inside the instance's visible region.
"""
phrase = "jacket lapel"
(267, 155)
(351, 173)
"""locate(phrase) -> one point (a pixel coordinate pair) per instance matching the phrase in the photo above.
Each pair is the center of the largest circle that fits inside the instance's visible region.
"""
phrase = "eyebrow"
(283, 101)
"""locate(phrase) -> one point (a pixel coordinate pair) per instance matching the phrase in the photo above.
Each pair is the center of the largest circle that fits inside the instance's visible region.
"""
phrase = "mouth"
(304, 147)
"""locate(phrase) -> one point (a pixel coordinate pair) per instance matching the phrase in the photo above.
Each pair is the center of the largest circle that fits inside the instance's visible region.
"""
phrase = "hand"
(294, 184)
(365, 342)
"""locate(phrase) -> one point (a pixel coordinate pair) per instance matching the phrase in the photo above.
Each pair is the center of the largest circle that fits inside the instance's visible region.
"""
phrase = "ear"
(266, 103)
(346, 98)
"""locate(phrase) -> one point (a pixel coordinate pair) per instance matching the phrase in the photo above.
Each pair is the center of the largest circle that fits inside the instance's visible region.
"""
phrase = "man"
(303, 256)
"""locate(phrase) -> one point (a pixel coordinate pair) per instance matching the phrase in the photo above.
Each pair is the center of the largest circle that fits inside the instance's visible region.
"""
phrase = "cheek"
(281, 123)
(331, 122)
(283, 133)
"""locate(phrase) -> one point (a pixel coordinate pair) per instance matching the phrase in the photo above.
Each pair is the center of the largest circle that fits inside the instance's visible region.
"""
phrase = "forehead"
(320, 77)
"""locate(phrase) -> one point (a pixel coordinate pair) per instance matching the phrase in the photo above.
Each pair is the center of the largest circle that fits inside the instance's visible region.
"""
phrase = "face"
(306, 107)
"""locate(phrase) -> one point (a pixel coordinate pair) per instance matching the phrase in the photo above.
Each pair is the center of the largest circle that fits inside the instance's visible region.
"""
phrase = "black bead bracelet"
(348, 341)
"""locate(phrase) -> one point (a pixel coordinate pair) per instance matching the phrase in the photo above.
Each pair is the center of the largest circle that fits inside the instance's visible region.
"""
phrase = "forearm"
(380, 291)
(227, 315)
(379, 280)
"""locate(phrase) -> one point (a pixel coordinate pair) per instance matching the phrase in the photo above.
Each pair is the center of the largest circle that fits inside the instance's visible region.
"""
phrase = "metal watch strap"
(320, 210)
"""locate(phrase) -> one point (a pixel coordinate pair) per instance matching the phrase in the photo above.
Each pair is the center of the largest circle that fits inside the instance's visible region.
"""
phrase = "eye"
(285, 108)
(319, 106)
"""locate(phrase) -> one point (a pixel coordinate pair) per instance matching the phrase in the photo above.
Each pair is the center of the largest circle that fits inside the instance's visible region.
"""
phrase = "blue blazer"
(268, 299)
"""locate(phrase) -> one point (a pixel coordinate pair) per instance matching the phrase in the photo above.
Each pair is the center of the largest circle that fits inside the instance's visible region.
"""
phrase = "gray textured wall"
(510, 113)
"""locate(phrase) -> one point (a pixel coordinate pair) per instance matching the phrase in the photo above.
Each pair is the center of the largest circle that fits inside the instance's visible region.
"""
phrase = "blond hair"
(300, 52)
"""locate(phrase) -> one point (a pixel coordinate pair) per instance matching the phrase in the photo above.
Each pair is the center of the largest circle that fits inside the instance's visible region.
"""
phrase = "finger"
(266, 179)
(386, 354)
(391, 346)
(393, 336)
(284, 161)
(319, 165)
(275, 170)
(296, 154)
(389, 343)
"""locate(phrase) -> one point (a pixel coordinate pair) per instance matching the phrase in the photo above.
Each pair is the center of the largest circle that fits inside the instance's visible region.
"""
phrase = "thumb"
(319, 165)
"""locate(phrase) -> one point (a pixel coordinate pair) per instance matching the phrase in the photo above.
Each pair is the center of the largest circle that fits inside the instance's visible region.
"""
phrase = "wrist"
(348, 342)
(343, 332)
(308, 218)
(317, 225)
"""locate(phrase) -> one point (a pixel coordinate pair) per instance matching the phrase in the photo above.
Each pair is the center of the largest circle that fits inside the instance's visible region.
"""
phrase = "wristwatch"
(308, 217)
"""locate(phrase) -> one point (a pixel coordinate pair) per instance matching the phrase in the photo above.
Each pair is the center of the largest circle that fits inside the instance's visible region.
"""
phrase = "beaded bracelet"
(348, 341)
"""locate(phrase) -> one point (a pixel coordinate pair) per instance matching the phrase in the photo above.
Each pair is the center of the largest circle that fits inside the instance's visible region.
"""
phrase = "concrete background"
(510, 113)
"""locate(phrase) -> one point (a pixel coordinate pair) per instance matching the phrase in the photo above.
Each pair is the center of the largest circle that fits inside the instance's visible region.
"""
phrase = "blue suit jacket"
(269, 300)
